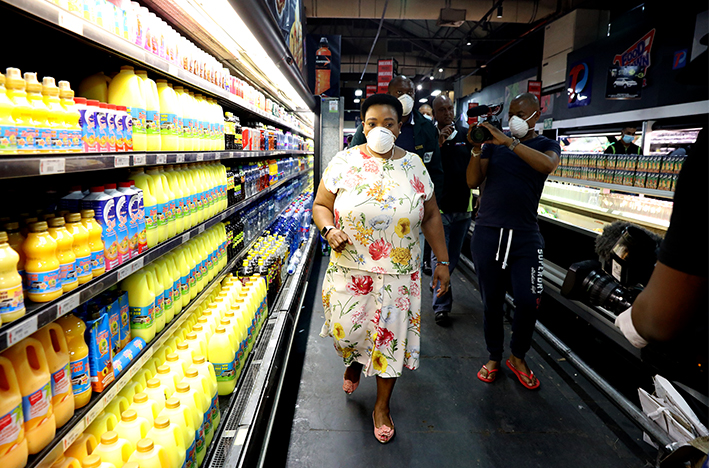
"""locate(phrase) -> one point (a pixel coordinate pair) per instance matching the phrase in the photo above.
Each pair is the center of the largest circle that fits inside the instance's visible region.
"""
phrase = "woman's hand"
(441, 276)
(338, 240)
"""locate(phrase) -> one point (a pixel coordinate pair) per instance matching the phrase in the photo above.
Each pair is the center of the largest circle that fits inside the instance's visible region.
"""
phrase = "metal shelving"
(14, 166)
(616, 187)
(39, 315)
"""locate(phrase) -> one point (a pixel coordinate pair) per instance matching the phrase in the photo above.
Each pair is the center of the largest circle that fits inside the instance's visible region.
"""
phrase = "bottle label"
(10, 427)
(102, 131)
(8, 138)
(128, 132)
(37, 404)
(25, 138)
(83, 265)
(159, 309)
(74, 142)
(151, 220)
(11, 300)
(44, 282)
(61, 381)
(176, 292)
(67, 273)
(168, 298)
(80, 382)
(43, 138)
(181, 207)
(137, 121)
(170, 210)
(142, 317)
(203, 269)
(197, 275)
(191, 458)
(230, 183)
(152, 122)
(185, 284)
(168, 124)
(161, 209)
(179, 130)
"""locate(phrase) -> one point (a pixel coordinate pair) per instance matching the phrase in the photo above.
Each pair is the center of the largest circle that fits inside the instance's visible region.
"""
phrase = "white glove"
(625, 322)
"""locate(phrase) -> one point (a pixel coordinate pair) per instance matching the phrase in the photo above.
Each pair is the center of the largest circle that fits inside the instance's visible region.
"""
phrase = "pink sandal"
(348, 386)
(383, 433)
(519, 375)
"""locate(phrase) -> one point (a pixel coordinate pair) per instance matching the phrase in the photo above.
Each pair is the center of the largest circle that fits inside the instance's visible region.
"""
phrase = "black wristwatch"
(325, 230)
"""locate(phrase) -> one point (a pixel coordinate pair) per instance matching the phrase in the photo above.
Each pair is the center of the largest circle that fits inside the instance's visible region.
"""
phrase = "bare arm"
(542, 162)
(477, 168)
(323, 215)
(432, 227)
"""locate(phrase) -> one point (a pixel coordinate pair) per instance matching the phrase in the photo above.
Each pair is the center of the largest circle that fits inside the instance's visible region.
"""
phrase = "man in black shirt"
(455, 204)
(625, 144)
(506, 241)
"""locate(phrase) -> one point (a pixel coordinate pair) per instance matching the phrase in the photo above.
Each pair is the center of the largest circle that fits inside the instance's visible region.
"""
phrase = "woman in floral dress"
(371, 203)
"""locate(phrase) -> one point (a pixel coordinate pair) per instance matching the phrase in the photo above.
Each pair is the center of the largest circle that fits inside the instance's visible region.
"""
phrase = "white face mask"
(407, 102)
(427, 116)
(452, 135)
(518, 126)
(380, 140)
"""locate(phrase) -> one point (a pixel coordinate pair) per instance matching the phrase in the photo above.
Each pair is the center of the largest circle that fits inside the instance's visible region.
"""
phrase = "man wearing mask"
(426, 111)
(456, 204)
(625, 144)
(506, 242)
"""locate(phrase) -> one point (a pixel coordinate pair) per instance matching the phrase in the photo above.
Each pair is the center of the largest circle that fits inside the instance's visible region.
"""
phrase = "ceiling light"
(422, 100)
(430, 77)
(356, 101)
(358, 92)
(469, 43)
(419, 87)
(484, 65)
(499, 11)
(435, 92)
(440, 70)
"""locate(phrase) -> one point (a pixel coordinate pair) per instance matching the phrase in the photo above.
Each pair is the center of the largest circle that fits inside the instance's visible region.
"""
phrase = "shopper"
(456, 203)
(371, 203)
(426, 111)
(625, 144)
(506, 242)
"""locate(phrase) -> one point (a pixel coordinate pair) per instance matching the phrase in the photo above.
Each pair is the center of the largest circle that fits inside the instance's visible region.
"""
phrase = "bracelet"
(444, 263)
(474, 154)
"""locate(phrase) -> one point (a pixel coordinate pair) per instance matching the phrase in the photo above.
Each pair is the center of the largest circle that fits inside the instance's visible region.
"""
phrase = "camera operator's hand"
(444, 133)
(498, 138)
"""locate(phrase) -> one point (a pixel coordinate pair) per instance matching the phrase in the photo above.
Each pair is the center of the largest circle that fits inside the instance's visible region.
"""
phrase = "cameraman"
(506, 239)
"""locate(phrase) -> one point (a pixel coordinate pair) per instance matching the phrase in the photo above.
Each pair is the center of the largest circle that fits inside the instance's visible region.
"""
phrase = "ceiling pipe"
(376, 38)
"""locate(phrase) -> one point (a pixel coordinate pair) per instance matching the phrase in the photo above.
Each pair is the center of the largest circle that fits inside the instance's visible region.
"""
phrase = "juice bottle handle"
(177, 434)
(10, 376)
(126, 449)
(163, 456)
(144, 428)
(91, 443)
(149, 280)
(54, 329)
(41, 357)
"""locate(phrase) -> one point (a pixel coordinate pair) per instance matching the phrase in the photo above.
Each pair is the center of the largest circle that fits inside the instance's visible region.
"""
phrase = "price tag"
(200, 229)
(200, 156)
(139, 159)
(137, 265)
(51, 166)
(125, 272)
(172, 69)
(180, 158)
(92, 414)
(72, 436)
(121, 161)
(185, 237)
(22, 331)
(160, 158)
(71, 22)
(68, 304)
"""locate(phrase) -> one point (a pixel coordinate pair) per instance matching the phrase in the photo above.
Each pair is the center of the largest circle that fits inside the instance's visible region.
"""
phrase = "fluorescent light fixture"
(358, 92)
(469, 43)
(435, 92)
(430, 77)
(419, 87)
(422, 100)
(499, 11)
(440, 70)
(356, 101)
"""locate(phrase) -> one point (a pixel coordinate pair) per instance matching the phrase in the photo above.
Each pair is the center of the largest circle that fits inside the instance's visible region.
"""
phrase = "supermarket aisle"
(444, 415)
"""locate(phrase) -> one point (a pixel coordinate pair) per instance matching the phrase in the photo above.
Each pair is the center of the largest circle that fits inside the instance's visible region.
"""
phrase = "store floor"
(444, 416)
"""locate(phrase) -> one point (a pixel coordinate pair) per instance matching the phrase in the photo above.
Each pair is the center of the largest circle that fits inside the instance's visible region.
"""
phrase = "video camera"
(629, 254)
(490, 114)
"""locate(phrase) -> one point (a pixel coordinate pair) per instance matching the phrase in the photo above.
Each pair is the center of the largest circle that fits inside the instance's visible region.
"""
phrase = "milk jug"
(57, 352)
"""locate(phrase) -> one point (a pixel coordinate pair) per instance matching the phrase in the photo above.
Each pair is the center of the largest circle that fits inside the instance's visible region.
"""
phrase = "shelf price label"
(139, 159)
(72, 436)
(127, 270)
(22, 331)
(52, 166)
(121, 161)
(67, 305)
(180, 158)
(185, 237)
(200, 156)
(200, 229)
(160, 158)
(71, 22)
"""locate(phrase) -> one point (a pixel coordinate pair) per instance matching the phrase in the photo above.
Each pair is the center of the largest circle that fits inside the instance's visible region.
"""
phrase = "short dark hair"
(633, 126)
(385, 100)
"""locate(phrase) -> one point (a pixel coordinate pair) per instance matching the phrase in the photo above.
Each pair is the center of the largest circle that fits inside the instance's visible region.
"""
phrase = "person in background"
(456, 203)
(371, 203)
(625, 144)
(348, 140)
(426, 111)
(506, 241)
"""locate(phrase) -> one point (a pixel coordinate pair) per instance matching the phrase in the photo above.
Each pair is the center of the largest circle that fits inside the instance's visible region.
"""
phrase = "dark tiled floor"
(444, 416)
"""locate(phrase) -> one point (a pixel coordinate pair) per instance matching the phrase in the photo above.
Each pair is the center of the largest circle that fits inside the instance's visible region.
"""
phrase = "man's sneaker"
(427, 268)
(442, 318)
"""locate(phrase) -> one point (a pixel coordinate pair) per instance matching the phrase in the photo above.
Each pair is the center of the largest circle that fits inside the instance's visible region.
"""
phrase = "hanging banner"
(637, 55)
(385, 72)
(535, 87)
(371, 89)
(289, 16)
(578, 84)
(324, 64)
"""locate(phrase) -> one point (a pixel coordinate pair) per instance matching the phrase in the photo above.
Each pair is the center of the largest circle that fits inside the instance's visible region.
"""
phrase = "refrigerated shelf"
(616, 187)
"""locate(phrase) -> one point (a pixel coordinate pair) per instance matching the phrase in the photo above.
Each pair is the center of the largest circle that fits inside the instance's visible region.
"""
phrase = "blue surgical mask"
(627, 139)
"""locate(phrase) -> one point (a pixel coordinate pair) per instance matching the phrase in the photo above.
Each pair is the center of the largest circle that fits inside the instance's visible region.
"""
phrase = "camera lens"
(604, 291)
(480, 135)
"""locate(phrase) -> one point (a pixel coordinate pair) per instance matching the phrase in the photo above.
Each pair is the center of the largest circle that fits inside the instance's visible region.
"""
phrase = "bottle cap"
(140, 398)
(92, 102)
(197, 328)
(126, 68)
(73, 218)
(49, 86)
(97, 189)
(145, 445)
(3, 236)
(164, 369)
(33, 85)
(220, 329)
(80, 100)
(110, 437)
(191, 373)
(111, 106)
(161, 422)
(153, 383)
(65, 91)
(38, 227)
(92, 461)
(182, 346)
(129, 415)
(198, 359)
(172, 403)
(88, 214)
(124, 184)
(110, 186)
(172, 357)
(56, 222)
(182, 387)
(103, 105)
(12, 226)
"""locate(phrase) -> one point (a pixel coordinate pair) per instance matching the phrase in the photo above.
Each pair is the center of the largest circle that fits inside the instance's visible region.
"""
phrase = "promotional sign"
(578, 84)
(385, 72)
(680, 59)
(289, 16)
(624, 82)
(371, 89)
(535, 87)
(637, 55)
(324, 64)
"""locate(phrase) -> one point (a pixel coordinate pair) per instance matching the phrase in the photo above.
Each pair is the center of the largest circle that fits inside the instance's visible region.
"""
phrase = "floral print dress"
(372, 289)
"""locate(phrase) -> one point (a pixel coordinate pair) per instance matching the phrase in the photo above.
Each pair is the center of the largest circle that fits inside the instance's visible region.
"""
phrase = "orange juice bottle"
(13, 445)
(94, 461)
(55, 115)
(41, 265)
(57, 352)
(30, 362)
(113, 449)
(98, 261)
(8, 130)
(40, 113)
(65, 254)
(66, 462)
(81, 247)
(78, 358)
(149, 455)
(12, 302)
(72, 138)
(82, 447)
(22, 111)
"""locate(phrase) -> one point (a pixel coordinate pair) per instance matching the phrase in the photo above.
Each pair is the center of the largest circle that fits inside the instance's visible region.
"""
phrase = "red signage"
(472, 120)
(535, 87)
(371, 89)
(385, 73)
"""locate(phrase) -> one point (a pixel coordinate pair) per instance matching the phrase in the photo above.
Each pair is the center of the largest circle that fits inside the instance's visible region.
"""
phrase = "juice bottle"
(188, 189)
(188, 397)
(117, 406)
(166, 219)
(74, 328)
(152, 111)
(149, 455)
(183, 121)
(184, 352)
(82, 447)
(57, 353)
(168, 435)
(94, 461)
(8, 130)
(113, 449)
(145, 185)
(178, 202)
(65, 254)
(72, 139)
(159, 289)
(221, 355)
(141, 299)
(13, 449)
(126, 89)
(206, 370)
(169, 110)
(39, 113)
(101, 125)
(98, 260)
(113, 135)
(168, 281)
(16, 239)
(160, 197)
(103, 423)
(29, 361)
(132, 427)
(202, 336)
(95, 87)
(41, 264)
(90, 126)
(145, 407)
(55, 114)
(177, 367)
(133, 216)
(142, 377)
(182, 417)
(80, 246)
(122, 202)
(176, 282)
(104, 207)
(194, 121)
(22, 111)
(156, 392)
(66, 462)
(12, 302)
(192, 268)
(201, 387)
(171, 204)
(167, 379)
(131, 389)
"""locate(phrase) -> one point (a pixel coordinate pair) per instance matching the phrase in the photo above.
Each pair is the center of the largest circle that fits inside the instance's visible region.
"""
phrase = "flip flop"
(519, 375)
(490, 375)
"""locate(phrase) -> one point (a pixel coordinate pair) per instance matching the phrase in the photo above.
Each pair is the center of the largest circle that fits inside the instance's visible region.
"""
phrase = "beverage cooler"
(157, 168)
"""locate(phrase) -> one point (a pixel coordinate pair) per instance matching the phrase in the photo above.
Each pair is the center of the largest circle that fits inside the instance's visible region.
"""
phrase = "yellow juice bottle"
(132, 427)
(22, 111)
(149, 455)
(117, 406)
(29, 361)
(184, 274)
(113, 449)
(156, 392)
(103, 423)
(177, 367)
(159, 289)
(167, 379)
(145, 407)
(168, 280)
(13, 450)
(169, 436)
(206, 370)
(188, 188)
(162, 203)
(185, 135)
(126, 89)
(65, 254)
(94, 461)
(173, 181)
(188, 397)
(184, 192)
(231, 331)
(176, 282)
(186, 252)
(95, 87)
(169, 110)
(201, 388)
(98, 261)
(40, 113)
(82, 447)
(200, 265)
(243, 324)
(184, 352)
(131, 389)
(55, 115)
(12, 302)
(72, 138)
(142, 377)
(194, 121)
(56, 350)
(8, 129)
(41, 264)
(182, 417)
(66, 462)
(146, 183)
(74, 328)
(152, 111)
(221, 355)
(81, 247)
(171, 203)
(141, 299)
(196, 346)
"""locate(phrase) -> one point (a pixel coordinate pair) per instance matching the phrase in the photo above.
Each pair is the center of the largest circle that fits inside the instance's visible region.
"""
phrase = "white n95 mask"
(380, 140)
(407, 103)
(518, 126)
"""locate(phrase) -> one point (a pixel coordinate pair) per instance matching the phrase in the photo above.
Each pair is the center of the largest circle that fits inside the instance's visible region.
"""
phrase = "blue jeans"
(455, 226)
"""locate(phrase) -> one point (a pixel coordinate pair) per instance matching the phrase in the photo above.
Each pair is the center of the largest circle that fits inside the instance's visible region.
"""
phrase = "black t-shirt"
(455, 156)
(686, 244)
(512, 187)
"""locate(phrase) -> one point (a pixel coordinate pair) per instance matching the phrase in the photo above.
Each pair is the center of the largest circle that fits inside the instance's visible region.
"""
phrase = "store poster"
(535, 87)
(371, 89)
(624, 82)
(289, 16)
(324, 64)
(637, 55)
(579, 83)
(386, 70)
